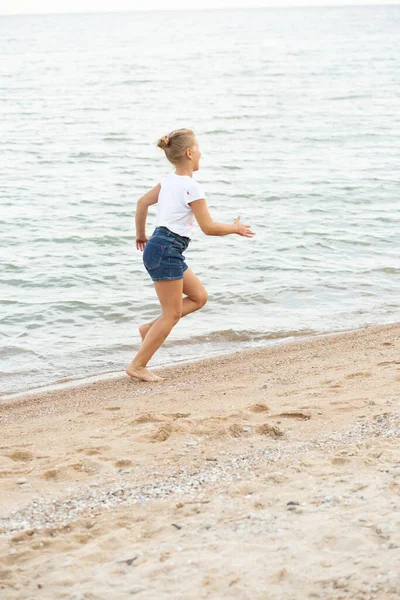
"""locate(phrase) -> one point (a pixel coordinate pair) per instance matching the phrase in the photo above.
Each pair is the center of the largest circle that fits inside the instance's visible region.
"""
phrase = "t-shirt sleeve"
(193, 192)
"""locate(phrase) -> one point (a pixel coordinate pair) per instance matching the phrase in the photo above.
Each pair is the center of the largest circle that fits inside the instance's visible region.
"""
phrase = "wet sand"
(267, 474)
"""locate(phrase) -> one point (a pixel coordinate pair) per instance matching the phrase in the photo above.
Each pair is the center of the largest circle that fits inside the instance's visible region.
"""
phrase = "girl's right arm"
(210, 227)
(142, 209)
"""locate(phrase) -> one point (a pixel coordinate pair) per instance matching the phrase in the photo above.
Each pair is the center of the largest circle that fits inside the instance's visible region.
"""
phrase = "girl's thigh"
(193, 287)
(170, 296)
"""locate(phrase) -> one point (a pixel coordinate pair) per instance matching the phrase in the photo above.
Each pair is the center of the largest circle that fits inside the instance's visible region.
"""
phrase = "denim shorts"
(162, 255)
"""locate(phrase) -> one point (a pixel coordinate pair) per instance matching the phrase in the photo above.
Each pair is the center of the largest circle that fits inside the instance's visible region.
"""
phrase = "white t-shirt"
(173, 208)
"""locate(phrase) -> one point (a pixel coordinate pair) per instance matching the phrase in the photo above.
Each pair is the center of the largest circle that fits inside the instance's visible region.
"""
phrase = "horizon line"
(222, 8)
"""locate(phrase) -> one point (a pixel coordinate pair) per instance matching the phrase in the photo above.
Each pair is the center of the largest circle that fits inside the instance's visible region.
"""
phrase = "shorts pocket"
(152, 255)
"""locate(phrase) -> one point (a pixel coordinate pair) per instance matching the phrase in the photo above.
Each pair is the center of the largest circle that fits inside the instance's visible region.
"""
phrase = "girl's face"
(195, 155)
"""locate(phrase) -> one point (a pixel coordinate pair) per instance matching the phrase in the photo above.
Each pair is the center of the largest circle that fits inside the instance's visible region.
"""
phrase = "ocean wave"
(6, 351)
(230, 335)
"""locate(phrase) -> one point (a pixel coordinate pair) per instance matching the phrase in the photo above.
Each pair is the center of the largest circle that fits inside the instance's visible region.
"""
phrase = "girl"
(179, 199)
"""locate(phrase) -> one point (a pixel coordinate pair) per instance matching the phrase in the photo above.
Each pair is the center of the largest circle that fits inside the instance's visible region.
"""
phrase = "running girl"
(179, 200)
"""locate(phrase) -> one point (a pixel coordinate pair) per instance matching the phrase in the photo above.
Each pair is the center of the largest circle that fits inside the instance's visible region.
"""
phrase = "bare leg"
(170, 296)
(188, 306)
(196, 297)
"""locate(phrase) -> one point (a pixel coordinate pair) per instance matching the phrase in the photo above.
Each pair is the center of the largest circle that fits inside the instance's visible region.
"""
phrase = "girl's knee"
(204, 298)
(174, 316)
(200, 300)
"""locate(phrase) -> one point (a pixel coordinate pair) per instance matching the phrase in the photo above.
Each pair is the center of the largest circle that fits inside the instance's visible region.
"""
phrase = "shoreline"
(273, 468)
(116, 375)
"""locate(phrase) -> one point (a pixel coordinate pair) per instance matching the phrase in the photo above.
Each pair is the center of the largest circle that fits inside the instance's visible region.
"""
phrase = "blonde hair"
(176, 143)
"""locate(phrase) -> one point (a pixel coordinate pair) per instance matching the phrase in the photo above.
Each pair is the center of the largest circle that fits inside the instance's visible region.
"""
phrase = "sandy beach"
(270, 474)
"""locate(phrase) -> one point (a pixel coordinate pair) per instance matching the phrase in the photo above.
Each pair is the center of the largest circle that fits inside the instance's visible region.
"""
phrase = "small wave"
(238, 118)
(116, 138)
(12, 267)
(271, 198)
(13, 350)
(354, 242)
(18, 283)
(230, 335)
(117, 317)
(228, 298)
(389, 270)
(96, 156)
(134, 81)
(350, 97)
(93, 109)
(105, 240)
(216, 131)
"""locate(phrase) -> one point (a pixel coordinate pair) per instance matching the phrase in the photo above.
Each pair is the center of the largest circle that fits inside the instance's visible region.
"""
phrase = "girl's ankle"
(136, 365)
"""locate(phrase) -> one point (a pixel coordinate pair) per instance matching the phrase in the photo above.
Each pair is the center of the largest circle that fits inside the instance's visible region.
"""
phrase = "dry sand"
(268, 474)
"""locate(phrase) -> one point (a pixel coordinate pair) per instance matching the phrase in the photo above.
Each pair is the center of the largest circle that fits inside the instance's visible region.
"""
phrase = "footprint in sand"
(293, 415)
(5, 473)
(358, 374)
(177, 415)
(279, 576)
(24, 536)
(152, 418)
(146, 418)
(236, 430)
(52, 475)
(258, 407)
(271, 430)
(71, 471)
(344, 406)
(93, 451)
(164, 430)
(209, 426)
(162, 433)
(123, 463)
(21, 455)
(339, 460)
(389, 362)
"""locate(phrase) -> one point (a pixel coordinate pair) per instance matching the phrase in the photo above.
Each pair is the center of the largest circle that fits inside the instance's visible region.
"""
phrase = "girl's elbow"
(208, 230)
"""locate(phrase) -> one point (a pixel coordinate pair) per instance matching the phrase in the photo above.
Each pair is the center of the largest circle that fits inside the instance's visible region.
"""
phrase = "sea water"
(296, 112)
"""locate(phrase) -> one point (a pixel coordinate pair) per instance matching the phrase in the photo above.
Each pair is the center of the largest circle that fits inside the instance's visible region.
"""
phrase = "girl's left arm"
(142, 209)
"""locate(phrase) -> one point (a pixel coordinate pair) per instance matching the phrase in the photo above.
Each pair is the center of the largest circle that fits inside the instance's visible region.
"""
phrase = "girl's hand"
(243, 230)
(141, 241)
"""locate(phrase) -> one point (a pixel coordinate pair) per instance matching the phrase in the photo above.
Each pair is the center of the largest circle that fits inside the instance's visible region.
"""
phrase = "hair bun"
(176, 143)
(163, 142)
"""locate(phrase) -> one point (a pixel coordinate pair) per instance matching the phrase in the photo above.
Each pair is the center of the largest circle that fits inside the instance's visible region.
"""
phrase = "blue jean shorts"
(162, 255)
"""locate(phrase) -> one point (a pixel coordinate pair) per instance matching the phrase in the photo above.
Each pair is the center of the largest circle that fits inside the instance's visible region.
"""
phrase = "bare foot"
(142, 373)
(143, 330)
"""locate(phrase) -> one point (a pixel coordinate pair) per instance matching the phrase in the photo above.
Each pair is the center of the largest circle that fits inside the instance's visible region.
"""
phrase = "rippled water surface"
(296, 111)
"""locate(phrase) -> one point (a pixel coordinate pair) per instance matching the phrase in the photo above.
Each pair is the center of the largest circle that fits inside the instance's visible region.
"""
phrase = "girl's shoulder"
(186, 187)
(184, 181)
